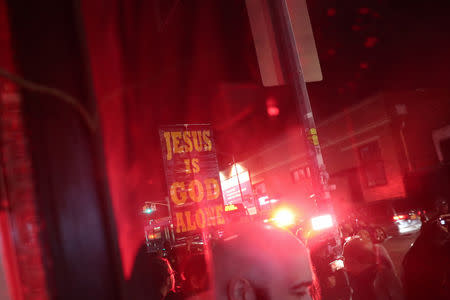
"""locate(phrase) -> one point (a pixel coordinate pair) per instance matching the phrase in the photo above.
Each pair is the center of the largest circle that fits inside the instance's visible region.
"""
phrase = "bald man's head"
(258, 261)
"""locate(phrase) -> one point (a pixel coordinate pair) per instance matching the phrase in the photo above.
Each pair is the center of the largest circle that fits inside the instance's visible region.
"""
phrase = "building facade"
(384, 147)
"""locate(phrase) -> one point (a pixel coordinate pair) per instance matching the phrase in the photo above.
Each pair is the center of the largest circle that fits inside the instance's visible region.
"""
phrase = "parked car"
(396, 216)
(354, 224)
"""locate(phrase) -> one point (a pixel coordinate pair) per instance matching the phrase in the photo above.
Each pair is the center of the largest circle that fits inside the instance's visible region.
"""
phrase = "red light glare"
(364, 65)
(331, 52)
(272, 107)
(356, 27)
(364, 10)
(399, 217)
(331, 12)
(273, 111)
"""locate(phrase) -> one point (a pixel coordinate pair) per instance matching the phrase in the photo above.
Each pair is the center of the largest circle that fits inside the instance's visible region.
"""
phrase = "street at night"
(397, 248)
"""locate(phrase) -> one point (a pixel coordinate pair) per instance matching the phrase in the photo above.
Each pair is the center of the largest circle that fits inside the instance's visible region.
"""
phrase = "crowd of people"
(262, 262)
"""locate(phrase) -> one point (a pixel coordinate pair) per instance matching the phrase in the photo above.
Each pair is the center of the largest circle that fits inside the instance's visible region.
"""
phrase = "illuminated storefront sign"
(192, 177)
(230, 207)
(234, 190)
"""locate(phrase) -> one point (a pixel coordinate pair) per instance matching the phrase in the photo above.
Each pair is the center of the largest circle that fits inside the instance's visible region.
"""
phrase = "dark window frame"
(372, 165)
(300, 174)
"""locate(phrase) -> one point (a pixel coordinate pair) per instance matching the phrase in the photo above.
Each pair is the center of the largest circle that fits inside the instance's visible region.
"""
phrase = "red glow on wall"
(331, 12)
(364, 65)
(364, 10)
(351, 84)
(331, 52)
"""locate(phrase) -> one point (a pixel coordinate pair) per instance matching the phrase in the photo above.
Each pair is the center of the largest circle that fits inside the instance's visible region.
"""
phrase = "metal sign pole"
(319, 175)
(292, 65)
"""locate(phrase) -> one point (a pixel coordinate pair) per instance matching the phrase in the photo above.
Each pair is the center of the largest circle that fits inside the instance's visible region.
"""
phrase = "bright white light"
(237, 167)
(265, 200)
(262, 200)
(233, 181)
(222, 177)
(322, 222)
(284, 217)
(337, 264)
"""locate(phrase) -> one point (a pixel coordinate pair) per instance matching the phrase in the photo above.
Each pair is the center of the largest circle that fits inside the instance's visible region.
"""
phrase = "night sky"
(364, 47)
(370, 46)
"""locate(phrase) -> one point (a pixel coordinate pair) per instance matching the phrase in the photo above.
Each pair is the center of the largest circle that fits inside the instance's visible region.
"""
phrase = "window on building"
(372, 165)
(260, 188)
(300, 174)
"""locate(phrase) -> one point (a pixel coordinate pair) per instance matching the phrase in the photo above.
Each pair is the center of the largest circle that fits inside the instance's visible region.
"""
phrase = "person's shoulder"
(383, 257)
(387, 284)
(381, 251)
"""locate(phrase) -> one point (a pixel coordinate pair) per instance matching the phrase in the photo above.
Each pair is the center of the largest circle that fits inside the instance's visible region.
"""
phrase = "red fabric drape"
(156, 63)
